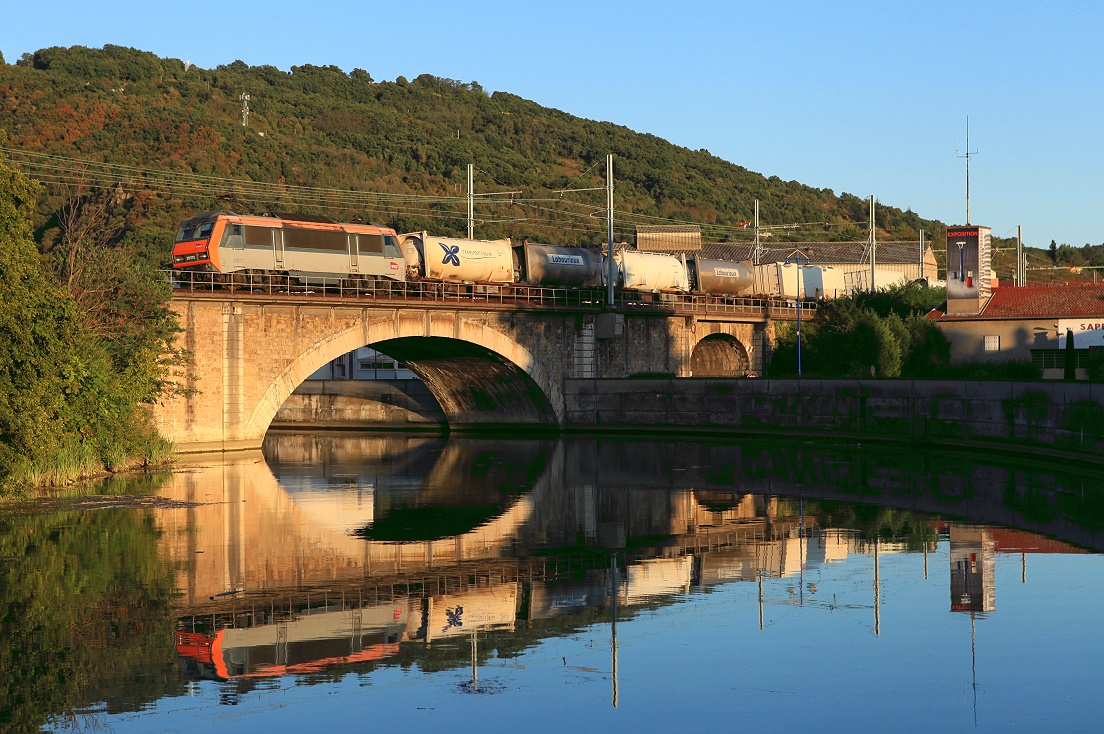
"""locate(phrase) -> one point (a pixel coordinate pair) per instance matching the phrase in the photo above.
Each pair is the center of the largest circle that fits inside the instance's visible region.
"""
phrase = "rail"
(513, 296)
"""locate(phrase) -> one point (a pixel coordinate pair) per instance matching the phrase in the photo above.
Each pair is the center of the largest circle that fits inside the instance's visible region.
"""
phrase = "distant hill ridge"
(322, 127)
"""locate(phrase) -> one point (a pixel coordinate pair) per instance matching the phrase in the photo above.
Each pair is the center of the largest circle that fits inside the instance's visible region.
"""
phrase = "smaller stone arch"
(719, 355)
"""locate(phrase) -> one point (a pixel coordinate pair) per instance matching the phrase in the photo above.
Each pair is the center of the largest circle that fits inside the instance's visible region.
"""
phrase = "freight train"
(316, 251)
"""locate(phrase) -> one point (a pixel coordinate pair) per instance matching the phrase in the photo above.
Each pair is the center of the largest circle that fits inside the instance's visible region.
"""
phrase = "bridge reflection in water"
(345, 549)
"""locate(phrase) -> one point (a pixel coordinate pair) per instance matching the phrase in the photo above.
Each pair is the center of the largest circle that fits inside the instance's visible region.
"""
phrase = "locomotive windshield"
(194, 231)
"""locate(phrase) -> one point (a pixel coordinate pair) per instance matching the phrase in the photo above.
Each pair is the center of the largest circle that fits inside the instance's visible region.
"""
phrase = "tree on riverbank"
(70, 398)
(882, 334)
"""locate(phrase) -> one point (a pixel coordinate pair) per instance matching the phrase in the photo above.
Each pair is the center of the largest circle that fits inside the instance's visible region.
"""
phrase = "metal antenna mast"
(967, 157)
(245, 109)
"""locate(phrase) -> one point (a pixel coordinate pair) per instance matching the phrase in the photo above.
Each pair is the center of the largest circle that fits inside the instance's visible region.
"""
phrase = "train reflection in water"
(348, 551)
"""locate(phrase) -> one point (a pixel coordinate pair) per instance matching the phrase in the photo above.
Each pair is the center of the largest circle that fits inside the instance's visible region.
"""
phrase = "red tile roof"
(1040, 302)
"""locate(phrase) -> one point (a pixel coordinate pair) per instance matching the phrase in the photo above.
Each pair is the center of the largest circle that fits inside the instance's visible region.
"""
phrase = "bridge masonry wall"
(1060, 417)
(251, 353)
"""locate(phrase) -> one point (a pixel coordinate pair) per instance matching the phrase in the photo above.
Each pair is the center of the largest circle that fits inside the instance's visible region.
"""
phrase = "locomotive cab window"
(189, 232)
(391, 246)
(232, 237)
(370, 244)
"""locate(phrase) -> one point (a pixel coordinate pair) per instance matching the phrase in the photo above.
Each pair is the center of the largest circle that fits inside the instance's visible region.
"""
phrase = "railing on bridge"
(516, 296)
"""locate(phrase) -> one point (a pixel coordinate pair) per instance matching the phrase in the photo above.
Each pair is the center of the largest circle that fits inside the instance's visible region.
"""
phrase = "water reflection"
(340, 549)
(349, 554)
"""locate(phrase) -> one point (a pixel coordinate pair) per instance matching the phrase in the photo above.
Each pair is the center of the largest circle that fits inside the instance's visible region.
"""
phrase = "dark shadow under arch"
(719, 355)
(477, 389)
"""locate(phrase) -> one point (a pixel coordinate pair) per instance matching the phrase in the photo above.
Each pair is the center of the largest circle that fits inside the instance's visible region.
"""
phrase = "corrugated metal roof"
(668, 237)
(824, 253)
(1040, 302)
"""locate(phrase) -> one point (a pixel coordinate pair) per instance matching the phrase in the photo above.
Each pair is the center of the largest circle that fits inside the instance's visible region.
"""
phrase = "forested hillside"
(321, 128)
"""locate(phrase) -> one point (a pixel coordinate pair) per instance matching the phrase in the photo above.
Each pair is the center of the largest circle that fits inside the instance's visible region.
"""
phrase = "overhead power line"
(587, 217)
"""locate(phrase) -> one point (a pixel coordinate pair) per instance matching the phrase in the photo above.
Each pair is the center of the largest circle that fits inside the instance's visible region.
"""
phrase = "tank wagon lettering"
(726, 273)
(565, 259)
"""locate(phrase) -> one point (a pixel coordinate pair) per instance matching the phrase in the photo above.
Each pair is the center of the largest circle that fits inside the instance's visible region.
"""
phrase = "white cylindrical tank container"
(650, 271)
(455, 260)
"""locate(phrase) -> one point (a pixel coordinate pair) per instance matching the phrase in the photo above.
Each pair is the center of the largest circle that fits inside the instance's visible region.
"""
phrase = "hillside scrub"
(70, 397)
(318, 126)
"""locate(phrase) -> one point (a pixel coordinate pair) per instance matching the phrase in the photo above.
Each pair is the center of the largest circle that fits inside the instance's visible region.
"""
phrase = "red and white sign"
(394, 265)
(1087, 332)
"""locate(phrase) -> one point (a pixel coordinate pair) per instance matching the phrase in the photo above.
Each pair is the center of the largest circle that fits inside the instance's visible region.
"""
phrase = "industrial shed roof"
(1038, 302)
(824, 253)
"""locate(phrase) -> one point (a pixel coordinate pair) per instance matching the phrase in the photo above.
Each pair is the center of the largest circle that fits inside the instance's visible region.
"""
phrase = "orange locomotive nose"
(191, 253)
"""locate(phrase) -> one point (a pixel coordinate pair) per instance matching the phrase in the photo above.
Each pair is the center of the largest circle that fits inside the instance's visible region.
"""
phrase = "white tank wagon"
(560, 266)
(651, 271)
(455, 260)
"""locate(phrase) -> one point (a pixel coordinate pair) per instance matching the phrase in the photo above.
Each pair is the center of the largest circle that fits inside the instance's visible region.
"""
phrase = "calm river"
(354, 582)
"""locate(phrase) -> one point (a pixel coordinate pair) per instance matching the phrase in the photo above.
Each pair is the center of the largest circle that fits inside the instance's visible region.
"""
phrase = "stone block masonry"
(1064, 418)
(489, 366)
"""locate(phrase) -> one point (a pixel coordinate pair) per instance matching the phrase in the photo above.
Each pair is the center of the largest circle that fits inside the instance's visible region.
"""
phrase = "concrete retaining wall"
(397, 404)
(1060, 416)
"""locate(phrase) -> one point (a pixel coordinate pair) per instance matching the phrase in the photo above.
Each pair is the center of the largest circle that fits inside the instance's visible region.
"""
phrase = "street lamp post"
(801, 259)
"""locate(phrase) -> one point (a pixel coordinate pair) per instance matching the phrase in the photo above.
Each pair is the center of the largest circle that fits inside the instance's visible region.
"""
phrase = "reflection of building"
(973, 565)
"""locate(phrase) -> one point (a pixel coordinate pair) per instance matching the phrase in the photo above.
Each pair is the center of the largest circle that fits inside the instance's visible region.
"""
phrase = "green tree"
(69, 397)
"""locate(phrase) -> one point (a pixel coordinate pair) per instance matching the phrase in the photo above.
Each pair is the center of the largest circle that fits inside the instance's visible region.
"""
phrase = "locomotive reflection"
(309, 642)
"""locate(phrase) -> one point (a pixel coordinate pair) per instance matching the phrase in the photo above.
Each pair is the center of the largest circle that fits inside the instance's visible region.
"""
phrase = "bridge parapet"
(462, 295)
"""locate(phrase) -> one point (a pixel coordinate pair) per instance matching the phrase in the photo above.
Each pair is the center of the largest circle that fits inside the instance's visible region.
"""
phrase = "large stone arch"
(510, 387)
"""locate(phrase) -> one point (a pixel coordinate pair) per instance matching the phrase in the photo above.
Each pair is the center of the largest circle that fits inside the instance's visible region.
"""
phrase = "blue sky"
(856, 96)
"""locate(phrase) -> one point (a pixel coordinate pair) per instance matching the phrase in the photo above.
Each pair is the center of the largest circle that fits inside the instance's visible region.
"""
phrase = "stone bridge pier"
(491, 367)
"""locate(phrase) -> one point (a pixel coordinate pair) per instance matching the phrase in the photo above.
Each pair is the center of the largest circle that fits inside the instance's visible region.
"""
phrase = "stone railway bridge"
(487, 361)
